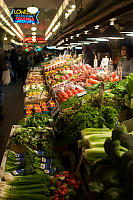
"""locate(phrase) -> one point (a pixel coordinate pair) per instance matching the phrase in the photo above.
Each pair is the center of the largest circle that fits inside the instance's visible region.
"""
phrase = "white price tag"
(81, 93)
(55, 111)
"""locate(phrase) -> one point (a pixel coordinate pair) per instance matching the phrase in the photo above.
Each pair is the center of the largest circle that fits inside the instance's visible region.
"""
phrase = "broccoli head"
(117, 131)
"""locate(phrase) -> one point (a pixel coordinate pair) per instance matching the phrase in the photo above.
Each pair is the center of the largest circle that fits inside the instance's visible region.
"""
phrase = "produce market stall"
(69, 140)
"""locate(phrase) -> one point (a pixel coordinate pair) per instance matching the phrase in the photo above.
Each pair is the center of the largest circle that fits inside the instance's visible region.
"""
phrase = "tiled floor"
(13, 110)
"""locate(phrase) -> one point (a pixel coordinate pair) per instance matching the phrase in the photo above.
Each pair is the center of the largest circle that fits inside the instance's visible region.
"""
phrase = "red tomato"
(116, 78)
(72, 182)
(76, 187)
(113, 74)
(70, 94)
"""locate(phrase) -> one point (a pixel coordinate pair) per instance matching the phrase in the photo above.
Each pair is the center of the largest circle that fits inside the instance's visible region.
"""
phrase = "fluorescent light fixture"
(130, 34)
(71, 37)
(112, 34)
(78, 48)
(33, 33)
(32, 9)
(115, 38)
(10, 26)
(66, 39)
(5, 38)
(48, 36)
(33, 28)
(6, 29)
(51, 47)
(17, 43)
(77, 35)
(33, 37)
(56, 27)
(99, 39)
(58, 14)
(61, 47)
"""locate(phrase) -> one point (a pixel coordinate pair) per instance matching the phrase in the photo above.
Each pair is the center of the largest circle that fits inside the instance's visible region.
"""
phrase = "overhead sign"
(21, 15)
(38, 40)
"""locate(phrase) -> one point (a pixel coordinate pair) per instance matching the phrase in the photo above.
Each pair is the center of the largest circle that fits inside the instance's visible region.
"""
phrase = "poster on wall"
(21, 15)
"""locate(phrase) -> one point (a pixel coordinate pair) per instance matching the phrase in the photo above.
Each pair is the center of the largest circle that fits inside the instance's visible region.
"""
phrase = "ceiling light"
(112, 21)
(34, 37)
(86, 32)
(96, 27)
(130, 34)
(48, 36)
(77, 35)
(69, 10)
(33, 33)
(5, 38)
(99, 39)
(112, 33)
(71, 37)
(33, 28)
(73, 6)
(66, 15)
(32, 9)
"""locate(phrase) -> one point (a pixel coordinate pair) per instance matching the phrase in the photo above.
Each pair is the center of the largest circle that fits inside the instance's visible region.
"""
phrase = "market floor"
(13, 110)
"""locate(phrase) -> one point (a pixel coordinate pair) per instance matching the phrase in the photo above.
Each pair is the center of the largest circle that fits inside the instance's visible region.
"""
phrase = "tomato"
(63, 187)
(56, 176)
(116, 78)
(70, 94)
(58, 183)
(76, 187)
(95, 82)
(62, 193)
(65, 95)
(63, 100)
(79, 90)
(113, 74)
(67, 91)
(72, 182)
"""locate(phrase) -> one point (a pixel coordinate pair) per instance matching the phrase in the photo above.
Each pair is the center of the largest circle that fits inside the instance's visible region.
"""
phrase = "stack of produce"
(36, 187)
(71, 122)
(93, 142)
(111, 176)
(35, 78)
(66, 186)
(36, 134)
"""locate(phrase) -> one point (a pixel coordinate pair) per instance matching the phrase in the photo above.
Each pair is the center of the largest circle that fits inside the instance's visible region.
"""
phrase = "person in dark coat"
(14, 62)
(3, 67)
(88, 55)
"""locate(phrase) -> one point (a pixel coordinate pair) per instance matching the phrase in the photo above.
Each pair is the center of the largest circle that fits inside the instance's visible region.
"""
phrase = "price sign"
(81, 93)
(55, 111)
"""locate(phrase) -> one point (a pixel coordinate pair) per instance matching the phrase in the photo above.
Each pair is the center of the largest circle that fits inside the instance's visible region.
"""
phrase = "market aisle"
(13, 109)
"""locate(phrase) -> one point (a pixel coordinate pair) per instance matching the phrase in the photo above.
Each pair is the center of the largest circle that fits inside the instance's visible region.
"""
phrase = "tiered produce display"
(80, 114)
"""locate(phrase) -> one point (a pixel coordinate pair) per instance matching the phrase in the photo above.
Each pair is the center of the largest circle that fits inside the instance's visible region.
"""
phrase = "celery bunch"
(130, 89)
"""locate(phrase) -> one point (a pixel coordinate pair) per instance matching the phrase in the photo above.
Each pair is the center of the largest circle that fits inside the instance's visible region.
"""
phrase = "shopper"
(3, 67)
(14, 62)
(88, 55)
(24, 66)
(126, 60)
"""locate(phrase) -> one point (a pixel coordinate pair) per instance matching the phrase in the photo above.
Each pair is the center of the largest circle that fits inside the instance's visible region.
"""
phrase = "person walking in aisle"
(14, 62)
(3, 67)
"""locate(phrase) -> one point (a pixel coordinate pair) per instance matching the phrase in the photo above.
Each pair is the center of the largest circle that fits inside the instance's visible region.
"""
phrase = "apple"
(63, 77)
(67, 68)
(53, 81)
(66, 76)
(70, 74)
(53, 67)
(71, 67)
(62, 69)
(47, 69)
(75, 71)
(57, 79)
